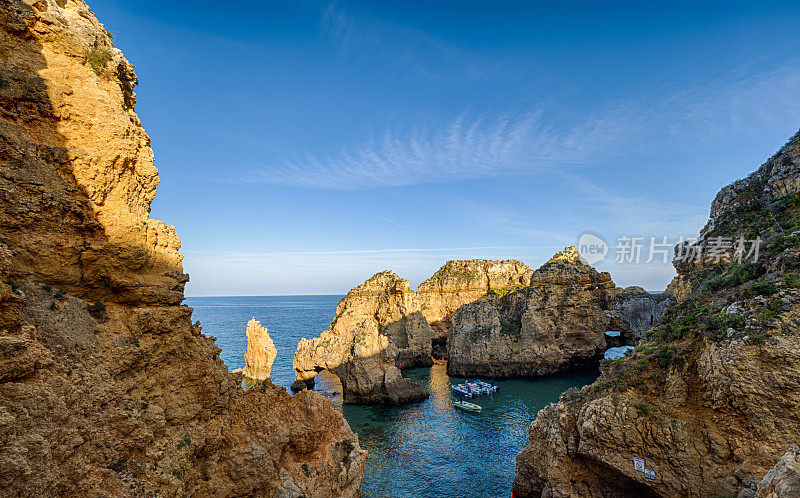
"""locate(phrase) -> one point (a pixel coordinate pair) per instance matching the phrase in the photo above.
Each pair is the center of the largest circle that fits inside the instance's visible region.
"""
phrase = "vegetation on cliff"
(106, 386)
(709, 397)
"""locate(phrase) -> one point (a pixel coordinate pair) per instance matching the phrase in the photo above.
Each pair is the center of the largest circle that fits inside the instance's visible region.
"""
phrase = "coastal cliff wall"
(555, 324)
(709, 398)
(377, 328)
(460, 282)
(106, 386)
(641, 310)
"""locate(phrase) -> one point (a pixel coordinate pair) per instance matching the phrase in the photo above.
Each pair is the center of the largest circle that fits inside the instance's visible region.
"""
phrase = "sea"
(425, 449)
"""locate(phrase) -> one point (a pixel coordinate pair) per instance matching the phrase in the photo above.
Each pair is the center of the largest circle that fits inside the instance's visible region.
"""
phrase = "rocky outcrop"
(365, 362)
(461, 282)
(377, 327)
(557, 323)
(260, 352)
(106, 386)
(784, 478)
(389, 302)
(641, 310)
(709, 399)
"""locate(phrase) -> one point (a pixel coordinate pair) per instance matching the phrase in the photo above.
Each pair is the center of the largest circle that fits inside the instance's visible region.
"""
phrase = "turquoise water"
(427, 449)
(287, 318)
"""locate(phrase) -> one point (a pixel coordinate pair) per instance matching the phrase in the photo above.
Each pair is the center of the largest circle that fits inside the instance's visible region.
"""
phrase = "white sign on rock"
(650, 474)
(638, 464)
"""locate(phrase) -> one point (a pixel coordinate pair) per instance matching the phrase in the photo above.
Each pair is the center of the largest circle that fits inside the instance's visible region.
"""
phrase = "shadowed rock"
(709, 399)
(106, 386)
(460, 282)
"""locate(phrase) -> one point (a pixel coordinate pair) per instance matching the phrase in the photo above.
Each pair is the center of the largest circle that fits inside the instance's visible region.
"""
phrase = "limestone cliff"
(709, 399)
(106, 387)
(377, 327)
(641, 310)
(556, 324)
(260, 352)
(460, 282)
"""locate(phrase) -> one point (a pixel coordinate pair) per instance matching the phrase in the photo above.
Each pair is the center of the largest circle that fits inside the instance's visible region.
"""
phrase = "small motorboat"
(486, 386)
(467, 406)
(461, 389)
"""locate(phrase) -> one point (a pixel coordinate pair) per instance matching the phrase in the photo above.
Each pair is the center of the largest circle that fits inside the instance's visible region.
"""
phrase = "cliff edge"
(106, 386)
(708, 399)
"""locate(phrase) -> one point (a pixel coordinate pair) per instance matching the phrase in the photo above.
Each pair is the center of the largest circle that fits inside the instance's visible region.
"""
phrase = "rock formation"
(784, 478)
(377, 327)
(106, 387)
(709, 399)
(461, 282)
(558, 323)
(260, 353)
(641, 310)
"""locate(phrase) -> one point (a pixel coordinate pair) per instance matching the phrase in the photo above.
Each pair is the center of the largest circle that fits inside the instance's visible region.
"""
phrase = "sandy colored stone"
(556, 324)
(460, 282)
(716, 416)
(260, 352)
(106, 386)
(376, 328)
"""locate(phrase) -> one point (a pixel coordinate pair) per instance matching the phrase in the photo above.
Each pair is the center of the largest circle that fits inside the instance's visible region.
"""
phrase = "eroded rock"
(260, 352)
(558, 323)
(106, 387)
(709, 399)
(460, 282)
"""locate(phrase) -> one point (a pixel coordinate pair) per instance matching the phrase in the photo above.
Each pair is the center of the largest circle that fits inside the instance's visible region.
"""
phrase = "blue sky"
(303, 146)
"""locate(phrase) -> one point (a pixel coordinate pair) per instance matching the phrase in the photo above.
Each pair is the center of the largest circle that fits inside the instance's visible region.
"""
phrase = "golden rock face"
(106, 386)
(260, 353)
(710, 405)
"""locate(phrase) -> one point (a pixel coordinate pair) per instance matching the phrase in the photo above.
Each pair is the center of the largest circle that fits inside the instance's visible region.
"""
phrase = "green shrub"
(725, 321)
(761, 288)
(46, 287)
(641, 409)
(665, 355)
(511, 325)
(98, 59)
(53, 306)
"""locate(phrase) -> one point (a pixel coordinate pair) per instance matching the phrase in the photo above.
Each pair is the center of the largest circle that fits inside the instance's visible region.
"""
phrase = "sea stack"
(460, 282)
(260, 353)
(556, 324)
(377, 328)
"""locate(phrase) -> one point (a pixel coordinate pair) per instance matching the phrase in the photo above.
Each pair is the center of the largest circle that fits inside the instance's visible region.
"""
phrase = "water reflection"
(432, 449)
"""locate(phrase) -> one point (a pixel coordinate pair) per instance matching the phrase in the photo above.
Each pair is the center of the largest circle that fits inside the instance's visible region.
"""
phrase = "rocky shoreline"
(708, 400)
(499, 319)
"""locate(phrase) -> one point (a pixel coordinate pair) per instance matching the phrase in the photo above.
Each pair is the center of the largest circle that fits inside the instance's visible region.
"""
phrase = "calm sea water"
(427, 449)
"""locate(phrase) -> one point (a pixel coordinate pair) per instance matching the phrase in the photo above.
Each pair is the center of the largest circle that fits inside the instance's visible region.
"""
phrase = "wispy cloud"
(422, 250)
(637, 215)
(534, 141)
(389, 220)
(413, 53)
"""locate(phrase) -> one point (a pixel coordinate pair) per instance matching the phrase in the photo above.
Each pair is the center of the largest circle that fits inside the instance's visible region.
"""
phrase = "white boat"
(462, 390)
(467, 406)
(486, 385)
